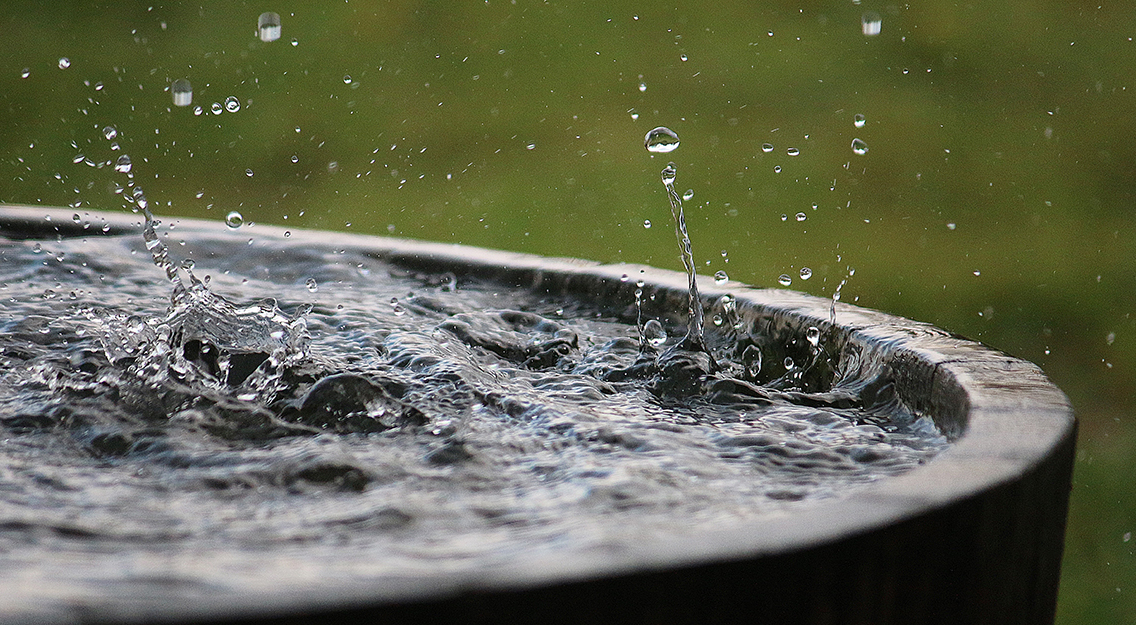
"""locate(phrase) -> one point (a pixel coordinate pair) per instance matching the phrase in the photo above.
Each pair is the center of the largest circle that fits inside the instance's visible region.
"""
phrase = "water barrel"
(974, 536)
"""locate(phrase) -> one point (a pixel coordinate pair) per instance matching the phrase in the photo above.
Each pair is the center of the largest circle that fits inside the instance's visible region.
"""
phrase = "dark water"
(408, 423)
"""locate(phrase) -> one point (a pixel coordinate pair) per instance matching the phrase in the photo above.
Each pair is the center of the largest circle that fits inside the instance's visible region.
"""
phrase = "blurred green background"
(995, 200)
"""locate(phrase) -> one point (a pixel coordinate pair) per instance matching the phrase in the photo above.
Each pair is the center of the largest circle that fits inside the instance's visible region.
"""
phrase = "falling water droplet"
(216, 108)
(346, 79)
(110, 132)
(248, 172)
(859, 147)
(871, 23)
(788, 363)
(182, 92)
(232, 104)
(858, 120)
(647, 223)
(689, 195)
(682, 57)
(767, 147)
(234, 220)
(642, 86)
(812, 335)
(784, 280)
(661, 140)
(122, 164)
(64, 63)
(720, 277)
(806, 273)
(312, 285)
(268, 26)
(751, 357)
(25, 73)
(776, 169)
(668, 174)
(792, 152)
(802, 216)
(654, 333)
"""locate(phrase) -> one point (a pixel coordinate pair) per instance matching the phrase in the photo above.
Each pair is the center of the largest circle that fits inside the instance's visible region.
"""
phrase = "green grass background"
(996, 199)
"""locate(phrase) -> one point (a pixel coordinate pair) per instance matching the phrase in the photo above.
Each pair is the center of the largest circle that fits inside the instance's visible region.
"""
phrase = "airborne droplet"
(766, 147)
(234, 220)
(122, 164)
(110, 132)
(806, 273)
(661, 140)
(654, 333)
(232, 104)
(720, 277)
(871, 23)
(784, 280)
(182, 92)
(858, 120)
(268, 26)
(859, 147)
(812, 335)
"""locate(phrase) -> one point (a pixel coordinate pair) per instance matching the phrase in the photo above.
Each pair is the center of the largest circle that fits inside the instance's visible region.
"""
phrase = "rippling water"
(221, 442)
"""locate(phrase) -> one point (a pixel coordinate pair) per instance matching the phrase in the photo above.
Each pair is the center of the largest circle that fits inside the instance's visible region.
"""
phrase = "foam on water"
(326, 434)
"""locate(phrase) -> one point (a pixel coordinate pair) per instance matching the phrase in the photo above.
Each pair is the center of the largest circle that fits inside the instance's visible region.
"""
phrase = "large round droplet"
(661, 140)
(806, 273)
(654, 333)
(122, 164)
(234, 220)
(720, 277)
(767, 147)
(232, 104)
(268, 26)
(871, 23)
(110, 132)
(859, 147)
(182, 92)
(784, 280)
(64, 63)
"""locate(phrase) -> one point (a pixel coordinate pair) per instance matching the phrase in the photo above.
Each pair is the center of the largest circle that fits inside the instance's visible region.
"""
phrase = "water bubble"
(268, 26)
(806, 273)
(312, 285)
(689, 195)
(792, 152)
(647, 223)
(346, 79)
(801, 216)
(859, 147)
(812, 335)
(122, 164)
(784, 280)
(720, 277)
(661, 140)
(182, 92)
(232, 104)
(64, 63)
(216, 108)
(669, 174)
(110, 132)
(871, 23)
(234, 220)
(767, 147)
(654, 333)
(858, 120)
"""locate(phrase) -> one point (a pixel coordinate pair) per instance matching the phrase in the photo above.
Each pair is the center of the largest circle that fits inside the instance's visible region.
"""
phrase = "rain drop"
(871, 23)
(110, 132)
(689, 195)
(232, 104)
(182, 92)
(122, 164)
(268, 26)
(642, 86)
(216, 108)
(793, 152)
(64, 63)
(806, 273)
(654, 333)
(859, 147)
(767, 147)
(234, 220)
(802, 216)
(784, 280)
(661, 140)
(346, 79)
(858, 120)
(647, 223)
(720, 277)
